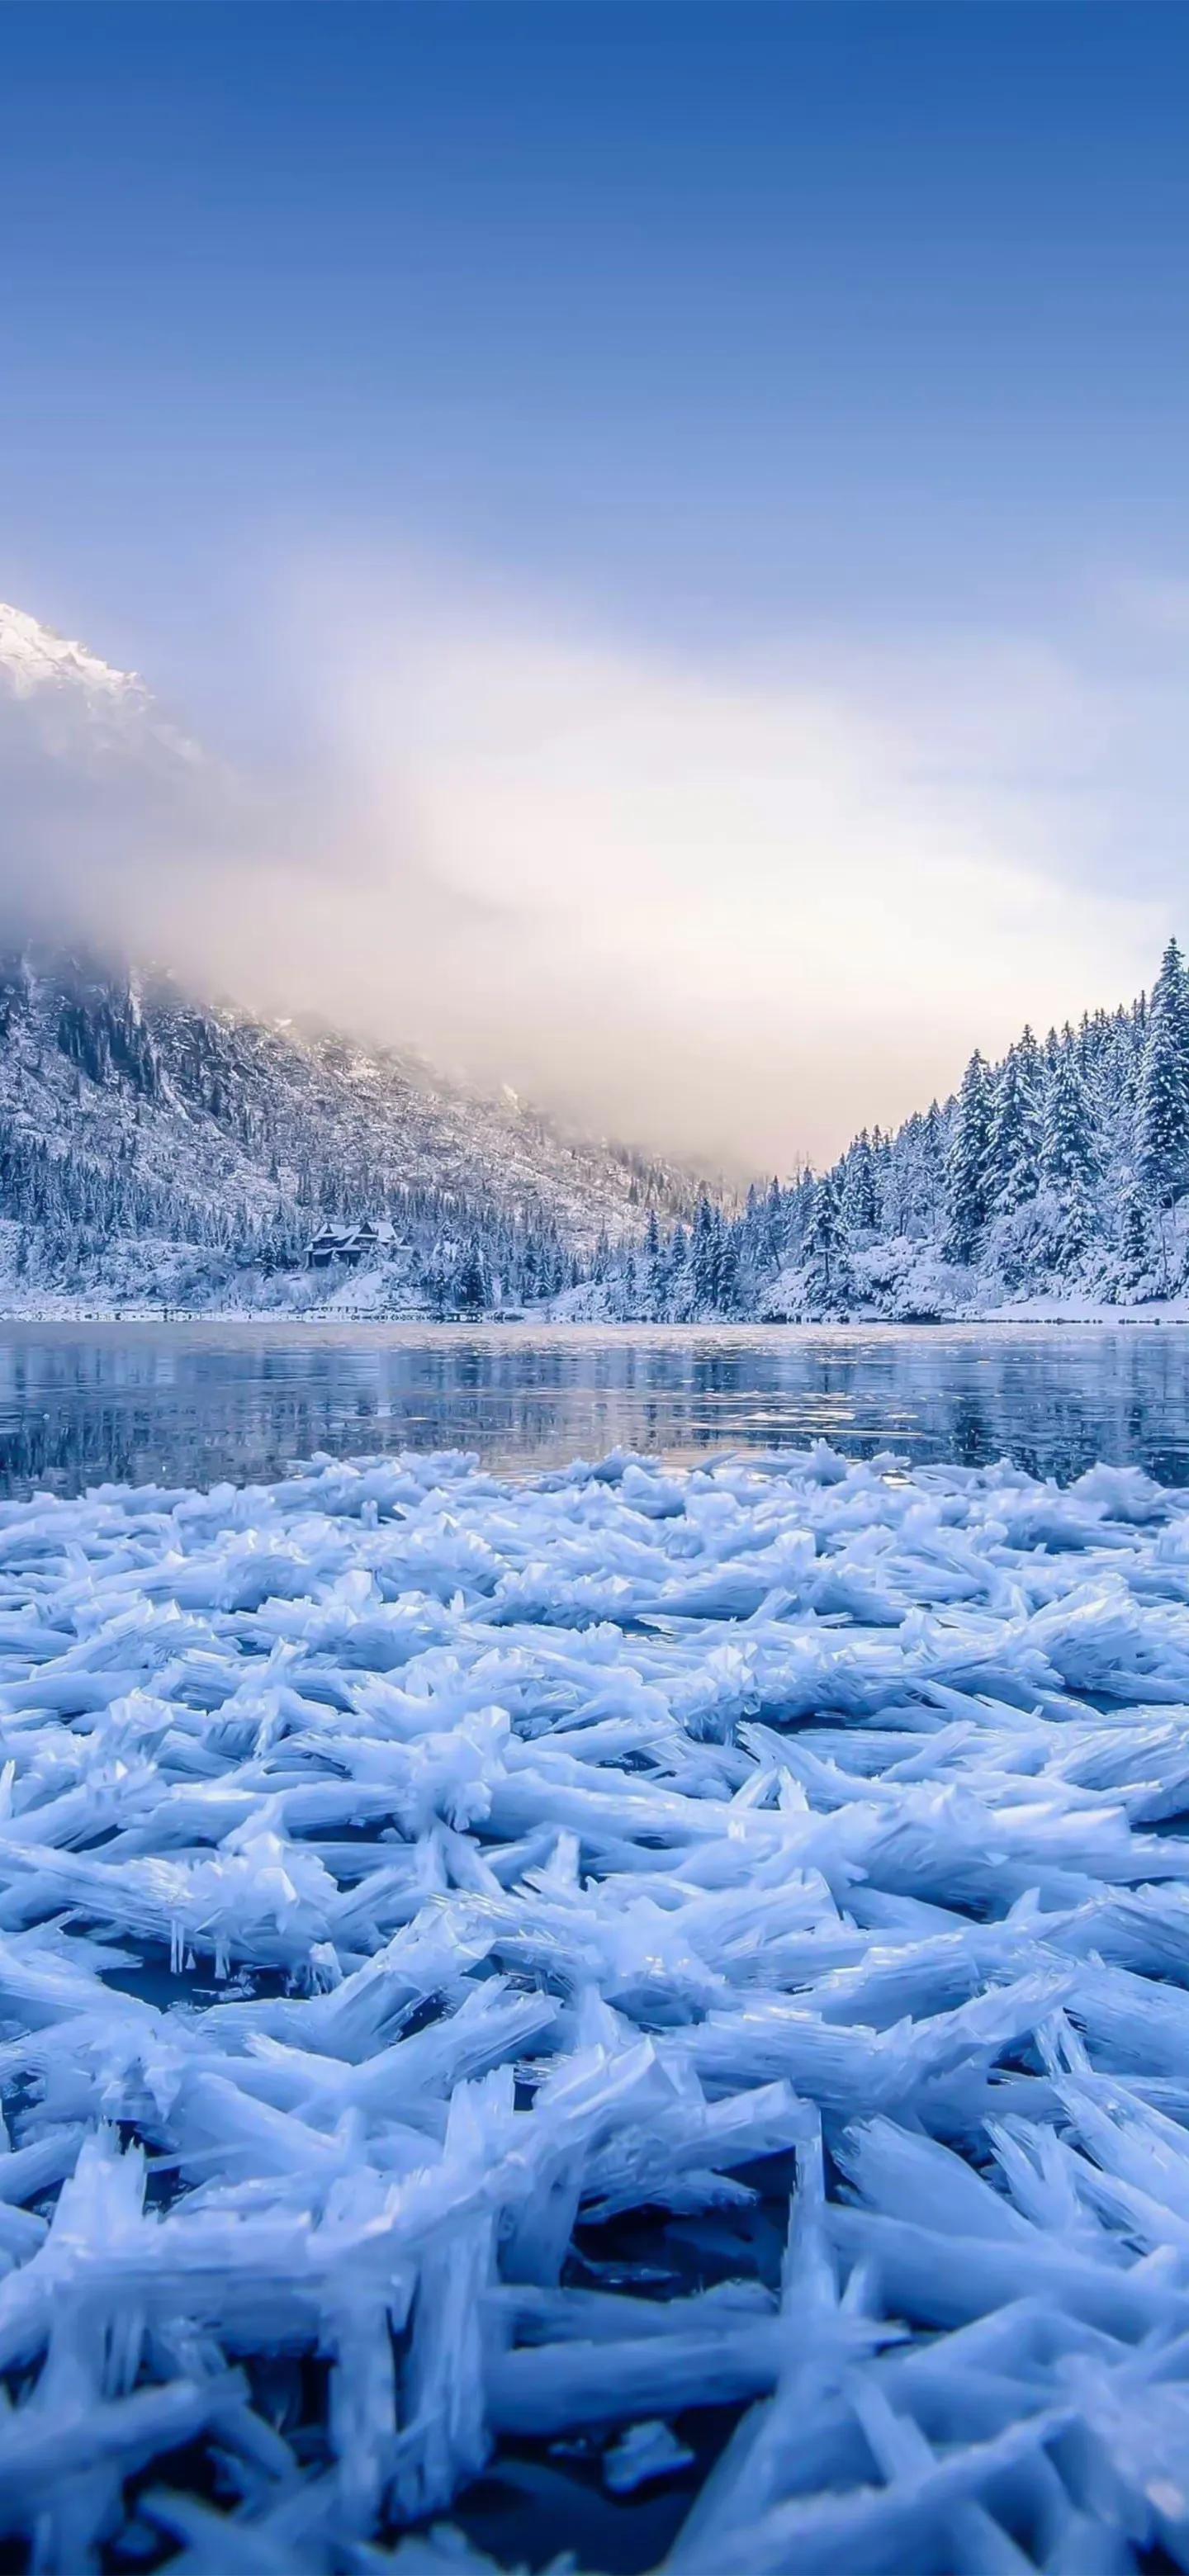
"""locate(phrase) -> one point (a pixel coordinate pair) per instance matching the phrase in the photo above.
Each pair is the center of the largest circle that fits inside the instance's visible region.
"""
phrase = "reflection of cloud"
(737, 910)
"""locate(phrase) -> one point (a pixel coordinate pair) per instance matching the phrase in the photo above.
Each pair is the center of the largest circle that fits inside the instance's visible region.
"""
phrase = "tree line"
(1063, 1168)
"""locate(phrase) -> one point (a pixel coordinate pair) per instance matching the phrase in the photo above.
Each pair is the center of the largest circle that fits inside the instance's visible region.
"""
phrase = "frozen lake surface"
(192, 1403)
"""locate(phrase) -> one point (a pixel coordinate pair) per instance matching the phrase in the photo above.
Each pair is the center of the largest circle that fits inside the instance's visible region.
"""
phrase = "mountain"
(75, 708)
(157, 1144)
(34, 660)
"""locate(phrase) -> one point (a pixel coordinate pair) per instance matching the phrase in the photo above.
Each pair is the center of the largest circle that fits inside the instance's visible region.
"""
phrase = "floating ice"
(628, 1995)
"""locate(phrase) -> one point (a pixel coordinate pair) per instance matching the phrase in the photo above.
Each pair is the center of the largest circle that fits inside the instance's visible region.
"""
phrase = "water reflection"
(189, 1404)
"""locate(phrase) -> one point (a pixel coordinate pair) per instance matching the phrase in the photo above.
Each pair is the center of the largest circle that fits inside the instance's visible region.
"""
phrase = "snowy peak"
(64, 700)
(33, 658)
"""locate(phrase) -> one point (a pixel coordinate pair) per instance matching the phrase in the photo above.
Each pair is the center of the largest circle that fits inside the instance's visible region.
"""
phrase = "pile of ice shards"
(642, 2013)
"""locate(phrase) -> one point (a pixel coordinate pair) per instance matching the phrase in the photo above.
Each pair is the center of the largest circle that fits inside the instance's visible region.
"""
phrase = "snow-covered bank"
(64, 1308)
(580, 1309)
(1082, 1310)
(624, 1995)
(588, 1306)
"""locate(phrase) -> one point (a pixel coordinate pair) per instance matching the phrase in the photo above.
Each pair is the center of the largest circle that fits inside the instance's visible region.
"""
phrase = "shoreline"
(1171, 1312)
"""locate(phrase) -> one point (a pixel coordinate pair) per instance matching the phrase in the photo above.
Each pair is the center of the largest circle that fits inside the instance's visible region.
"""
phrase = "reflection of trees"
(1056, 1401)
(192, 1404)
(717, 1372)
(968, 1442)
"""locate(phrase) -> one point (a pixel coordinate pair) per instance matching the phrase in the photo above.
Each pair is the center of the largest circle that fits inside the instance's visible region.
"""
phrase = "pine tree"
(1162, 1122)
(1067, 1154)
(652, 1270)
(1136, 1253)
(1068, 1159)
(703, 1257)
(860, 1191)
(966, 1168)
(471, 1286)
(727, 1288)
(773, 1226)
(1014, 1137)
(826, 1251)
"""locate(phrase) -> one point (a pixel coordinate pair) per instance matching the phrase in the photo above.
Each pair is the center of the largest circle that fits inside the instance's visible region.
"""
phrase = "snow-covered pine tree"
(966, 1170)
(677, 1287)
(773, 1224)
(653, 1272)
(860, 1189)
(827, 1276)
(1136, 1253)
(1162, 1120)
(1068, 1158)
(1067, 1152)
(914, 1183)
(471, 1284)
(703, 1257)
(728, 1284)
(1014, 1139)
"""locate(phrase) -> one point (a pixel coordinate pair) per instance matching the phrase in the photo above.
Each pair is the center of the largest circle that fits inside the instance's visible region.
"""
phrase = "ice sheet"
(633, 1994)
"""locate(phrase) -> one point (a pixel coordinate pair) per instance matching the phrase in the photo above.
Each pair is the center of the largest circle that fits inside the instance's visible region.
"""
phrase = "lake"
(178, 1403)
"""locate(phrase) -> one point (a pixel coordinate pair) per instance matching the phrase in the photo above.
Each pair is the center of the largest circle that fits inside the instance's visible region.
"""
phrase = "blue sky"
(844, 343)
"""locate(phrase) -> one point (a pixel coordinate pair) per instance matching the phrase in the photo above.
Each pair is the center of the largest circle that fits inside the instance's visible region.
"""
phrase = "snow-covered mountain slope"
(137, 1117)
(75, 706)
(33, 657)
(131, 1112)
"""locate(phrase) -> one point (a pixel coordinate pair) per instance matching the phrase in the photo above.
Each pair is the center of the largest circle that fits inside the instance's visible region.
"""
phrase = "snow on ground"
(638, 2012)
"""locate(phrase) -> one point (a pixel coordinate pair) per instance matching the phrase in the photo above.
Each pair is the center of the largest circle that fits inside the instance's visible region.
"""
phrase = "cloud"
(733, 910)
(1155, 605)
(745, 907)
